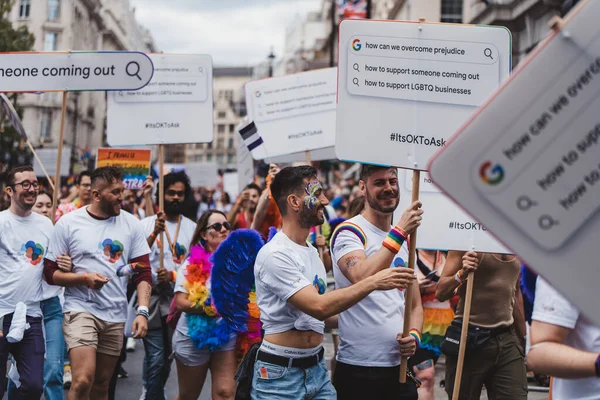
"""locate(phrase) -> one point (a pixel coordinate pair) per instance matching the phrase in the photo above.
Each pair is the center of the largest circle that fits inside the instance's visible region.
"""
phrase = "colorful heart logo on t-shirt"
(179, 254)
(319, 284)
(33, 251)
(112, 249)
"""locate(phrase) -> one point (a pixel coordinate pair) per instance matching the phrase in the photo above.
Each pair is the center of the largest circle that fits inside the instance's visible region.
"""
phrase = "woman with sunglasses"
(192, 296)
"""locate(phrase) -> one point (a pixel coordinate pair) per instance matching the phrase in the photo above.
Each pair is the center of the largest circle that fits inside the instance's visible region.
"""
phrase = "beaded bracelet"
(394, 239)
(417, 335)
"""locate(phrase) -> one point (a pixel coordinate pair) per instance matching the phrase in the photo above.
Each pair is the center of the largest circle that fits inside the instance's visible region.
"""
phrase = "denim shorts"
(272, 381)
(186, 353)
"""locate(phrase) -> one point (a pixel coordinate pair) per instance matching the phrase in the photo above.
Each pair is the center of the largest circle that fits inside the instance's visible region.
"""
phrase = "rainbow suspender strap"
(351, 227)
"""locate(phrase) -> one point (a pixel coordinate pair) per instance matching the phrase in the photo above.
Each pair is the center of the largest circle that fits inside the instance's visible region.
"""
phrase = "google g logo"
(491, 174)
(356, 45)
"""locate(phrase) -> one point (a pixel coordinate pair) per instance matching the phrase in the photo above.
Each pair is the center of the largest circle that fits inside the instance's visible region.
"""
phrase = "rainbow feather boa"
(230, 305)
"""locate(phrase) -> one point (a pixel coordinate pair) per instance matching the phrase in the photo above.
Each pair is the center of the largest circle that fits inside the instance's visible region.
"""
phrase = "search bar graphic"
(423, 49)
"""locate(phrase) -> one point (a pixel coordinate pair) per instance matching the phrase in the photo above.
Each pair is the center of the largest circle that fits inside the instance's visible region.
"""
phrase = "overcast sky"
(234, 32)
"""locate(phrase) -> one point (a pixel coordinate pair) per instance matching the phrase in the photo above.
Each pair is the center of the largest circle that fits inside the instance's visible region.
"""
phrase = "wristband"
(143, 311)
(598, 366)
(458, 277)
(173, 276)
(85, 280)
(394, 239)
(417, 335)
(153, 235)
(143, 308)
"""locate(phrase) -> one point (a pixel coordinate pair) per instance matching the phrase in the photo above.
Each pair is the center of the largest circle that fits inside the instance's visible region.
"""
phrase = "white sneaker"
(130, 346)
(67, 377)
(143, 396)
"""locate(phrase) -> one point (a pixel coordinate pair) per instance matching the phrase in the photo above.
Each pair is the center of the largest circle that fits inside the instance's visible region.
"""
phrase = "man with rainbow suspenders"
(371, 340)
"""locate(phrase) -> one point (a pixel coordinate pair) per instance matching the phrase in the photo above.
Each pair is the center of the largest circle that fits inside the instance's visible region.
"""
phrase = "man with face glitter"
(371, 340)
(290, 292)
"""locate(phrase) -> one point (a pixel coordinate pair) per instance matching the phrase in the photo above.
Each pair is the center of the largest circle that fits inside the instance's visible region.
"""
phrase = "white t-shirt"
(282, 268)
(552, 308)
(98, 246)
(182, 247)
(23, 245)
(368, 329)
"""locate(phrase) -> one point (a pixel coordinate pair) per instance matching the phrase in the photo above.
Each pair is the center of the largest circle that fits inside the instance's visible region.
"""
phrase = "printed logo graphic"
(33, 251)
(356, 46)
(319, 284)
(491, 174)
(179, 254)
(399, 262)
(112, 249)
(258, 93)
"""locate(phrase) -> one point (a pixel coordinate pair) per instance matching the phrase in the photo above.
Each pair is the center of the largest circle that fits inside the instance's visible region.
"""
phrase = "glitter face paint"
(311, 200)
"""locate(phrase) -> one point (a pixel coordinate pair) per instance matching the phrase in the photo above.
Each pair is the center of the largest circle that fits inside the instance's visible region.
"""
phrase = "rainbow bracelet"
(394, 239)
(417, 335)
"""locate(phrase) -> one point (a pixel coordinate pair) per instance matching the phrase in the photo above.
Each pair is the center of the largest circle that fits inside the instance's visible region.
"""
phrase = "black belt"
(302, 362)
(500, 330)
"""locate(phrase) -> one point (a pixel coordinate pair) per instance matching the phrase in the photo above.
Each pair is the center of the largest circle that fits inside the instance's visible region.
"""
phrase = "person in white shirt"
(177, 231)
(564, 344)
(24, 239)
(371, 343)
(290, 292)
(103, 243)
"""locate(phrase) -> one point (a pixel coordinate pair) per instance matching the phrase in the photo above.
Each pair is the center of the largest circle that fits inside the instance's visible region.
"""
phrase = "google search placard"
(415, 82)
(175, 107)
(528, 164)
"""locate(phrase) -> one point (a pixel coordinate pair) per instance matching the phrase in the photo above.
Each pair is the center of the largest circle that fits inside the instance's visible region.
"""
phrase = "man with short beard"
(106, 245)
(24, 239)
(177, 232)
(290, 292)
(371, 343)
(242, 213)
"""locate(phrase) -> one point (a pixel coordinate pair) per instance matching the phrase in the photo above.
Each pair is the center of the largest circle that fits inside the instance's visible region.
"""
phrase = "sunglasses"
(219, 226)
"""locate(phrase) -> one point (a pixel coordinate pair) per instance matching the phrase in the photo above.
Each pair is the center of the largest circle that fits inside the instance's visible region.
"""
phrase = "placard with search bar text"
(528, 163)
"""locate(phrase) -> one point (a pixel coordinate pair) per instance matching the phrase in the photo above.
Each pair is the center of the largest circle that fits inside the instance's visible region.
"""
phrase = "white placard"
(445, 226)
(48, 159)
(405, 87)
(231, 184)
(200, 174)
(96, 70)
(327, 153)
(245, 164)
(527, 164)
(175, 107)
(293, 113)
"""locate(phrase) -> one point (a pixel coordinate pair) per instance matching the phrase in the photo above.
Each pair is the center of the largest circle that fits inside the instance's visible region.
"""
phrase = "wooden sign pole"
(61, 138)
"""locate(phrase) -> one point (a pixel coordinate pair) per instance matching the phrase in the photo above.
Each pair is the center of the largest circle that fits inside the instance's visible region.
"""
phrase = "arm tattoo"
(351, 262)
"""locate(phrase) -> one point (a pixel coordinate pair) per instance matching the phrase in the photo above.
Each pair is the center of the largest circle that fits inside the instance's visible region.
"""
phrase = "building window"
(53, 8)
(24, 8)
(452, 11)
(50, 41)
(221, 115)
(209, 157)
(210, 145)
(231, 128)
(229, 158)
(198, 158)
(46, 125)
(220, 128)
(220, 143)
(230, 144)
(219, 158)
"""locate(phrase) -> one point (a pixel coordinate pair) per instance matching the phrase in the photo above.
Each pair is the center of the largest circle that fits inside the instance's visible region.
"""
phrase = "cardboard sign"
(405, 87)
(175, 107)
(134, 163)
(76, 70)
(293, 113)
(527, 164)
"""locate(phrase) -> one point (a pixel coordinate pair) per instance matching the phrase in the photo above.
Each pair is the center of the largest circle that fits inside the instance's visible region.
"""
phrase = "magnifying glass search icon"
(355, 81)
(201, 70)
(133, 69)
(488, 53)
(524, 203)
(546, 222)
(355, 67)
